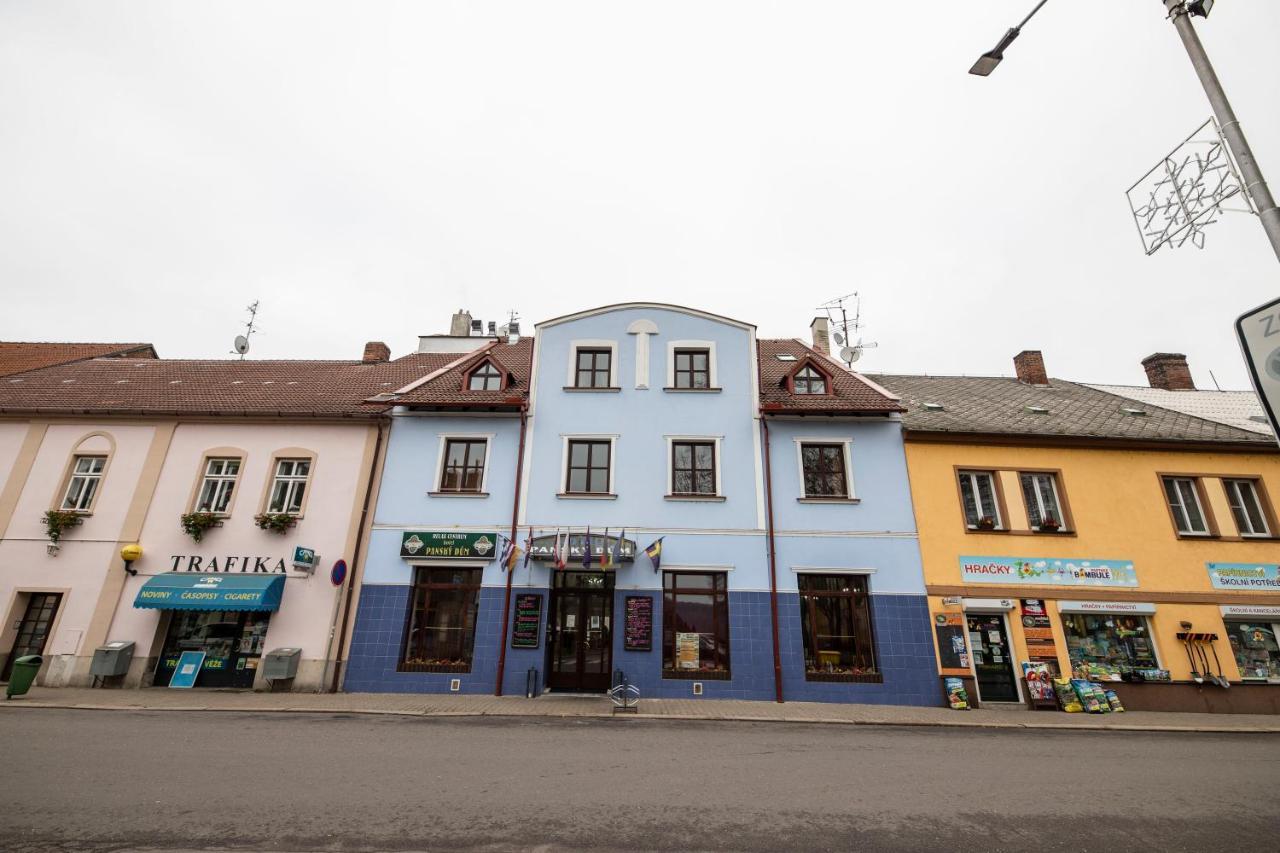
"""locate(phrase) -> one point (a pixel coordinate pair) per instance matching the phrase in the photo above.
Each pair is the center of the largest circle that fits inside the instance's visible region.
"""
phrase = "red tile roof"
(851, 393)
(446, 390)
(19, 357)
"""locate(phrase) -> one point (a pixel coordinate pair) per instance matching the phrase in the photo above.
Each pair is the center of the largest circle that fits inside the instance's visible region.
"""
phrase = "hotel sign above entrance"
(447, 545)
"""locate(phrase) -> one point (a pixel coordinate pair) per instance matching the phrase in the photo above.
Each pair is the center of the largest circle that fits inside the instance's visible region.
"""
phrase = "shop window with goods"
(232, 642)
(1257, 652)
(835, 619)
(695, 616)
(1111, 646)
(441, 633)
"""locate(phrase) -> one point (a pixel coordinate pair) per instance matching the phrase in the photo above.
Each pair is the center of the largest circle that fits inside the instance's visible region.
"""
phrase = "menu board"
(638, 636)
(1038, 631)
(524, 633)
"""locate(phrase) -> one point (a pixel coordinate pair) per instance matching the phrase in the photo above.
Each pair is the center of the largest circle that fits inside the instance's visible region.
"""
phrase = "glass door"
(33, 630)
(581, 647)
(992, 657)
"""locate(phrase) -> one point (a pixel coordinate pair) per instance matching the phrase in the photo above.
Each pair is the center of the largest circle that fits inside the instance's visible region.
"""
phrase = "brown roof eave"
(1101, 442)
(766, 409)
(110, 413)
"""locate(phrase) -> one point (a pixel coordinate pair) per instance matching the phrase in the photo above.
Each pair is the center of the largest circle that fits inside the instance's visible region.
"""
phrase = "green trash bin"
(23, 676)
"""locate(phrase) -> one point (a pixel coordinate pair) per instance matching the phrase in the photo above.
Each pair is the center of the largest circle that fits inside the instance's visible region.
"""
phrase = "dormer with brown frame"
(487, 374)
(808, 378)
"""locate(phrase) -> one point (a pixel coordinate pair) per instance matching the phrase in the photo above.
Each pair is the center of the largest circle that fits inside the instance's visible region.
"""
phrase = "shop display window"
(1256, 650)
(232, 641)
(1109, 645)
(695, 625)
(835, 619)
(441, 632)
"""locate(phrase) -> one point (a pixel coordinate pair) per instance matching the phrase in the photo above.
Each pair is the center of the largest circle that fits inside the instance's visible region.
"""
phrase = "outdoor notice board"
(638, 636)
(952, 652)
(187, 670)
(524, 633)
(447, 545)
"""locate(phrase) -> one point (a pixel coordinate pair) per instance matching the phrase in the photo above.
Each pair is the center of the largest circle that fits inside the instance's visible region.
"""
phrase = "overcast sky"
(365, 169)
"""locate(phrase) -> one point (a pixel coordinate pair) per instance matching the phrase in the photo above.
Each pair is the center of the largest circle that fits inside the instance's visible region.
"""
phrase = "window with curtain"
(978, 495)
(1246, 507)
(1040, 492)
(1183, 495)
(463, 465)
(835, 620)
(441, 633)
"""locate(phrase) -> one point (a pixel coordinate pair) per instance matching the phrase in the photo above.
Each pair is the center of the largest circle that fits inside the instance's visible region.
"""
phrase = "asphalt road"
(97, 780)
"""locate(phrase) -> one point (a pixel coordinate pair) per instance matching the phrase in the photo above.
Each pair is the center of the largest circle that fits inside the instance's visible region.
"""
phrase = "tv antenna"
(847, 329)
(242, 341)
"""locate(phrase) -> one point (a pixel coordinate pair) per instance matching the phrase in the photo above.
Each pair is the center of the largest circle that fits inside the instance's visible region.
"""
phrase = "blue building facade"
(722, 479)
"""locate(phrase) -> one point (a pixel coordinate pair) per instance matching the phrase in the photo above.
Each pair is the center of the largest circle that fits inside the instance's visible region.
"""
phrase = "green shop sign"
(448, 545)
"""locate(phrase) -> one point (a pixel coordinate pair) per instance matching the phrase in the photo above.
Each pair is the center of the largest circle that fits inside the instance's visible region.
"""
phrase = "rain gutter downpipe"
(511, 572)
(773, 559)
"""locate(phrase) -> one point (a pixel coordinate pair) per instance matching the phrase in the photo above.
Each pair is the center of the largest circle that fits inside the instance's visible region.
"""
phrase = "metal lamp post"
(989, 60)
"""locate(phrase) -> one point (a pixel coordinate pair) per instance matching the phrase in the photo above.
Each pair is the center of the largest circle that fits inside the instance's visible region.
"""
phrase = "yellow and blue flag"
(654, 552)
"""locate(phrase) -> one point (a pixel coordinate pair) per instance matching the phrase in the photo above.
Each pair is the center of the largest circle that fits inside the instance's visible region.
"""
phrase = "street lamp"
(989, 60)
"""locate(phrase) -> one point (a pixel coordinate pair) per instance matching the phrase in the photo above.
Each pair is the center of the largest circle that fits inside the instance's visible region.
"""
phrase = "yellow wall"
(1118, 511)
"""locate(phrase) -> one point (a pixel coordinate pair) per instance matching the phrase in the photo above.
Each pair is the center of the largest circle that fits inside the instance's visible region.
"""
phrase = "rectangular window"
(1109, 643)
(289, 486)
(693, 468)
(824, 471)
(592, 368)
(1246, 506)
(219, 482)
(978, 494)
(441, 633)
(835, 618)
(1040, 491)
(86, 476)
(588, 468)
(1257, 653)
(463, 465)
(1183, 494)
(695, 625)
(693, 368)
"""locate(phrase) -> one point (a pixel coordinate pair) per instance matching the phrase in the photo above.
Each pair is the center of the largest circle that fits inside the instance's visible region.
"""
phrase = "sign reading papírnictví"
(1244, 575)
(1047, 571)
(447, 545)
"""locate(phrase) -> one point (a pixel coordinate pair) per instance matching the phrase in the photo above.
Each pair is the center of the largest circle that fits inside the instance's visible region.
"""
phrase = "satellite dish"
(242, 344)
(839, 338)
(850, 354)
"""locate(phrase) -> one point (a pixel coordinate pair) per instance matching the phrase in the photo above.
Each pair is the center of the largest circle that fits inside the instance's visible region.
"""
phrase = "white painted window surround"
(465, 436)
(709, 346)
(612, 438)
(571, 374)
(642, 329)
(820, 439)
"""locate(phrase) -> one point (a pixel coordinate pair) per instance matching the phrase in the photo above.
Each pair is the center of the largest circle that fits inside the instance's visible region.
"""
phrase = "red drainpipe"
(511, 573)
(773, 560)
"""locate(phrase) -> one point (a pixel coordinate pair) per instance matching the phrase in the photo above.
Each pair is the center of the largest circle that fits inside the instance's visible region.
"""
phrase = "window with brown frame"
(1247, 507)
(441, 631)
(588, 469)
(693, 468)
(1040, 492)
(693, 368)
(835, 619)
(486, 377)
(1187, 506)
(695, 625)
(809, 381)
(592, 368)
(979, 499)
(824, 469)
(463, 469)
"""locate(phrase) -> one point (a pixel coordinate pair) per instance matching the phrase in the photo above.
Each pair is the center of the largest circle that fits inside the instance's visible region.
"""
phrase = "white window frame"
(1234, 484)
(572, 377)
(703, 439)
(227, 483)
(294, 480)
(971, 475)
(564, 466)
(713, 374)
(1181, 508)
(85, 497)
(848, 466)
(438, 481)
(1057, 496)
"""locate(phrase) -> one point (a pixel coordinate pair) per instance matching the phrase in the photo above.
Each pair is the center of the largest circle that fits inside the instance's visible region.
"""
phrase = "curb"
(737, 718)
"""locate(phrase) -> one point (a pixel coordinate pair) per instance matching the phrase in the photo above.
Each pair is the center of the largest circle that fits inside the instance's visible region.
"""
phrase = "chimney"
(375, 352)
(821, 332)
(1029, 365)
(1169, 370)
(460, 324)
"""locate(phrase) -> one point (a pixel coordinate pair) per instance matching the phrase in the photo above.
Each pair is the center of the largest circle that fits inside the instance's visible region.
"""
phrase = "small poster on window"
(686, 651)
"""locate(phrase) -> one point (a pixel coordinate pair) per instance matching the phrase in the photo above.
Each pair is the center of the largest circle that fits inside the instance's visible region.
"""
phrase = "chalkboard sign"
(639, 623)
(953, 654)
(524, 634)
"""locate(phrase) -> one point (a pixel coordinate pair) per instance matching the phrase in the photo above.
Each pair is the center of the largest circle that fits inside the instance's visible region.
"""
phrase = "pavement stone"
(552, 705)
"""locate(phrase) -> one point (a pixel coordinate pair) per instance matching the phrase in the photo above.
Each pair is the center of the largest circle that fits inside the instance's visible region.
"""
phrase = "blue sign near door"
(187, 670)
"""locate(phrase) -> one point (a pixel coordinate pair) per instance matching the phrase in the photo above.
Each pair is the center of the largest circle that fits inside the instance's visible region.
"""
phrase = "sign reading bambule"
(447, 545)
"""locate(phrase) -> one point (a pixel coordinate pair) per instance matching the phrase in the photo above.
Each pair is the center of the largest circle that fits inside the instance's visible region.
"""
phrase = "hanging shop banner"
(447, 545)
(528, 620)
(638, 636)
(1251, 611)
(953, 654)
(1042, 571)
(1144, 608)
(1244, 575)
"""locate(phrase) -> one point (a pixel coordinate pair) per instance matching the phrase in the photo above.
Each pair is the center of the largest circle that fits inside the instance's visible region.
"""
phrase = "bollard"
(531, 683)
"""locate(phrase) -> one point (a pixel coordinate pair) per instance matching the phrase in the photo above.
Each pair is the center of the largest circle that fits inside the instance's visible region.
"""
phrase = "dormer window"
(486, 377)
(809, 381)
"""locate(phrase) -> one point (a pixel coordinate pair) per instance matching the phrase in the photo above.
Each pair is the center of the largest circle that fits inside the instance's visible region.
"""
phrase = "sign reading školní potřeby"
(1245, 576)
(448, 545)
(1047, 571)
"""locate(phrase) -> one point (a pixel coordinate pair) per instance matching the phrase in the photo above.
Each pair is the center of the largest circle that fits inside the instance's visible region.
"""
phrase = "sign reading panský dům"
(1244, 575)
(1047, 571)
(448, 545)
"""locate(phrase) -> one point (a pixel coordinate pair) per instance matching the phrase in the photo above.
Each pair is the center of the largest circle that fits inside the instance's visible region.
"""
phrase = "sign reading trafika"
(1259, 333)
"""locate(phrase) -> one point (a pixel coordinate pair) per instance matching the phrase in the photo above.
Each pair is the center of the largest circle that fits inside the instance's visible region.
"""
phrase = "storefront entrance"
(581, 631)
(231, 640)
(33, 630)
(992, 657)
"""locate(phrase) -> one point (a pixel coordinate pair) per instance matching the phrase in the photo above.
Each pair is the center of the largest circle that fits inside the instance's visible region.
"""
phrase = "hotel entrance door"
(581, 646)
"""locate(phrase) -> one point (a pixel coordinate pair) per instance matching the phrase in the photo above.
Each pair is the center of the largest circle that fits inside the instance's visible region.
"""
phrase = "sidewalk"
(435, 705)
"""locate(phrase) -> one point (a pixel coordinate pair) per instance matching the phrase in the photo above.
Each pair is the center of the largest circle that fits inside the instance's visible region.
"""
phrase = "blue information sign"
(187, 670)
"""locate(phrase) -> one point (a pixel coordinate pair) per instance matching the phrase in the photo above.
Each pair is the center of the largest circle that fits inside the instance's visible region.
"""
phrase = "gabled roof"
(446, 389)
(19, 357)
(1240, 409)
(1004, 406)
(253, 388)
(663, 306)
(851, 393)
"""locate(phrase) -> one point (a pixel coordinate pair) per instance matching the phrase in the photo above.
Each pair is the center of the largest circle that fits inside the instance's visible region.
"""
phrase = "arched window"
(485, 378)
(810, 381)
